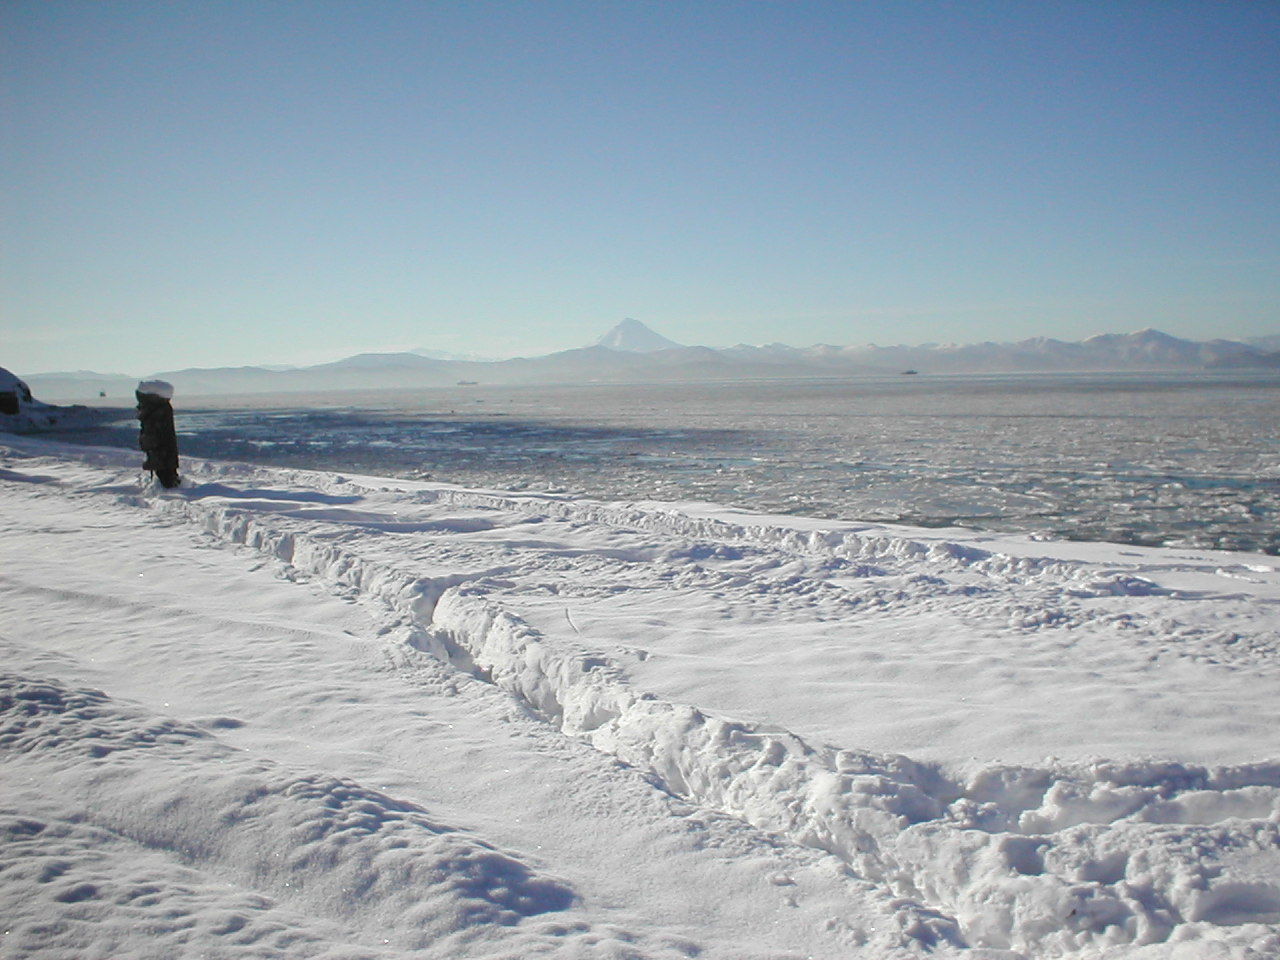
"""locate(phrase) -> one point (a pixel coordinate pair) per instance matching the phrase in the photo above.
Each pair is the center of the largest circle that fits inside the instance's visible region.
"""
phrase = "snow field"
(301, 680)
(344, 844)
(1076, 857)
(368, 863)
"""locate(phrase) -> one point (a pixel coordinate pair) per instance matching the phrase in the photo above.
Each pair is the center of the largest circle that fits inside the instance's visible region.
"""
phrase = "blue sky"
(200, 184)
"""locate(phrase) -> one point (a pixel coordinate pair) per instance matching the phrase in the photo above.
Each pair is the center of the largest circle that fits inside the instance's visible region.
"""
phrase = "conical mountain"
(632, 336)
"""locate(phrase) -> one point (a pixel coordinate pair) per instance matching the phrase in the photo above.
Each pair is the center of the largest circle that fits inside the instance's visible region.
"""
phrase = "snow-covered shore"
(285, 713)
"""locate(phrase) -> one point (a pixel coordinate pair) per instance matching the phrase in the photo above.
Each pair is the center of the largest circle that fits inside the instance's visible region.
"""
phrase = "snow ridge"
(1060, 858)
(310, 837)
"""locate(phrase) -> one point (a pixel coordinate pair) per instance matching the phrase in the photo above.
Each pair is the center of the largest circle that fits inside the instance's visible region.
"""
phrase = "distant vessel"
(907, 373)
(467, 383)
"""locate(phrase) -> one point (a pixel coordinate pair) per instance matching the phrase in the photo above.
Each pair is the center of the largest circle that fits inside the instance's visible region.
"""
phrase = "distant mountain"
(1254, 361)
(1145, 350)
(82, 384)
(633, 336)
(199, 380)
(631, 352)
(379, 361)
(446, 355)
(1271, 343)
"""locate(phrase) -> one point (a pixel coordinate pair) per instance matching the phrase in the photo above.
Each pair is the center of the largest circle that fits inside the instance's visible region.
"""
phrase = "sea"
(1153, 459)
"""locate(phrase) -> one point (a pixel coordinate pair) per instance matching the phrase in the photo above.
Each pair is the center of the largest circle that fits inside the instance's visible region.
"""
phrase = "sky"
(253, 182)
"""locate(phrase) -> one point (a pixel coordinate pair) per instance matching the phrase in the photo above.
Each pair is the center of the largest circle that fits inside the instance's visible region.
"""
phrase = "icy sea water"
(1151, 459)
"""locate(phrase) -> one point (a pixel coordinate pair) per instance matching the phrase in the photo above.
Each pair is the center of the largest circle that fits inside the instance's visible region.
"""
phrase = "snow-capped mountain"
(632, 352)
(450, 355)
(632, 336)
(1144, 350)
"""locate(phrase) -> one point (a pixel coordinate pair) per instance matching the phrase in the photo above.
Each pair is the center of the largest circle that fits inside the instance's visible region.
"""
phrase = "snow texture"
(469, 722)
(157, 388)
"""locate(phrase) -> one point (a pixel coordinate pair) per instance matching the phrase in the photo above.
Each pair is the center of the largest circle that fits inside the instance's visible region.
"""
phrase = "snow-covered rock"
(10, 384)
(19, 411)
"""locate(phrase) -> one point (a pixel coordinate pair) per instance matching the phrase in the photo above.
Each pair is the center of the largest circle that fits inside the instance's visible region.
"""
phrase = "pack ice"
(294, 714)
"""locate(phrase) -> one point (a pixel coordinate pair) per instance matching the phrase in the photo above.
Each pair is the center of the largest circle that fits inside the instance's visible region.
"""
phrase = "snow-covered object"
(9, 383)
(19, 410)
(493, 724)
(157, 388)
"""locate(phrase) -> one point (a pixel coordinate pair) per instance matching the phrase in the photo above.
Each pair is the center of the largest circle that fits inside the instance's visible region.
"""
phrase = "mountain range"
(632, 352)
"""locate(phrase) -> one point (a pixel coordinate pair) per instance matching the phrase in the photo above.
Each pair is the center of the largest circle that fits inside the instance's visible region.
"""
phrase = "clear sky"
(211, 183)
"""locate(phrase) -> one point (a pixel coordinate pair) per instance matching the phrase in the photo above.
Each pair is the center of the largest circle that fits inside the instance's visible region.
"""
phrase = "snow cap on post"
(157, 388)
